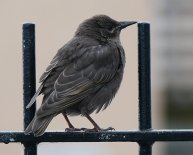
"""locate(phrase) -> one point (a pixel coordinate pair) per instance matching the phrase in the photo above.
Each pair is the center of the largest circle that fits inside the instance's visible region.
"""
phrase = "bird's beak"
(124, 24)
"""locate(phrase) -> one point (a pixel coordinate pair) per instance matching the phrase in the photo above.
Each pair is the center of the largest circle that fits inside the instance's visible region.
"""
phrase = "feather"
(34, 97)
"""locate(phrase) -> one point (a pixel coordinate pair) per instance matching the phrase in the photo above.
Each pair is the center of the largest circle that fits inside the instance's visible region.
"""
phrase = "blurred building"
(173, 37)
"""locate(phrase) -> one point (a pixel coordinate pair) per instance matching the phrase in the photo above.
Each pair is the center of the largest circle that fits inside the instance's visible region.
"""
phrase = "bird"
(83, 77)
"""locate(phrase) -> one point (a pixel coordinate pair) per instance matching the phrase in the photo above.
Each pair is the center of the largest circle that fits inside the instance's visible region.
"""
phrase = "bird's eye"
(110, 28)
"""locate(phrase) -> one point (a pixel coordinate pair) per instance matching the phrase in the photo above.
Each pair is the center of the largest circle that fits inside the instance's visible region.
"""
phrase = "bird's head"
(102, 28)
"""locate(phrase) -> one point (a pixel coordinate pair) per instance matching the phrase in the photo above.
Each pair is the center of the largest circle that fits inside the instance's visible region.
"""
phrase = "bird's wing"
(61, 54)
(33, 99)
(90, 70)
(57, 58)
(49, 69)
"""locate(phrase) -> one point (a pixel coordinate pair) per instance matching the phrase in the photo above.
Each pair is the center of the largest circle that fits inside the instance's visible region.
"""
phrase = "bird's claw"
(108, 129)
(72, 129)
(88, 130)
(97, 129)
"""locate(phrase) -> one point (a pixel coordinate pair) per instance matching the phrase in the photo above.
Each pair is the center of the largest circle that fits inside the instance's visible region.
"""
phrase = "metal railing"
(145, 136)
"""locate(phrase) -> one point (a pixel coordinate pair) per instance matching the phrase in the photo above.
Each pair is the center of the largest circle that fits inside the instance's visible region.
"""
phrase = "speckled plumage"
(84, 75)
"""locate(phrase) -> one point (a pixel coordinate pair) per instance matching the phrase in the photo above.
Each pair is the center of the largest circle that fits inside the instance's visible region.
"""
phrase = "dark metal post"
(144, 73)
(29, 78)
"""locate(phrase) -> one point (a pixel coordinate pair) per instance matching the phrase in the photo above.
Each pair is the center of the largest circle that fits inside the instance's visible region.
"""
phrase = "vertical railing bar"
(144, 74)
(29, 80)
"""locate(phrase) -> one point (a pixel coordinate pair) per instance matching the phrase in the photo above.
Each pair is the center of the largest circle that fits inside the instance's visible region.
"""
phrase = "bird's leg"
(71, 127)
(96, 126)
(68, 121)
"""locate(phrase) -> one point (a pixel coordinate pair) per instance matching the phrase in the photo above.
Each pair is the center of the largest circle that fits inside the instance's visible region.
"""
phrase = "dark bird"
(84, 75)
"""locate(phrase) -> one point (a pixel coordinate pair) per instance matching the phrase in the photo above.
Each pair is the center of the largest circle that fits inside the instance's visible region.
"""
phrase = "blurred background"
(56, 21)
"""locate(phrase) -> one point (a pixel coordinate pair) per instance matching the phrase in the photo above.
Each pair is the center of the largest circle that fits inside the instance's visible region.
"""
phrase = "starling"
(84, 75)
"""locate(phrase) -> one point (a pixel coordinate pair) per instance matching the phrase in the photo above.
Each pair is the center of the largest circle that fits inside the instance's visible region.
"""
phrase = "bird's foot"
(97, 129)
(72, 129)
(108, 129)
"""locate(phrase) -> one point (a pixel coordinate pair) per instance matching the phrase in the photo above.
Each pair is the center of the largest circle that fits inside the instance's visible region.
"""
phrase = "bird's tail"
(38, 125)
